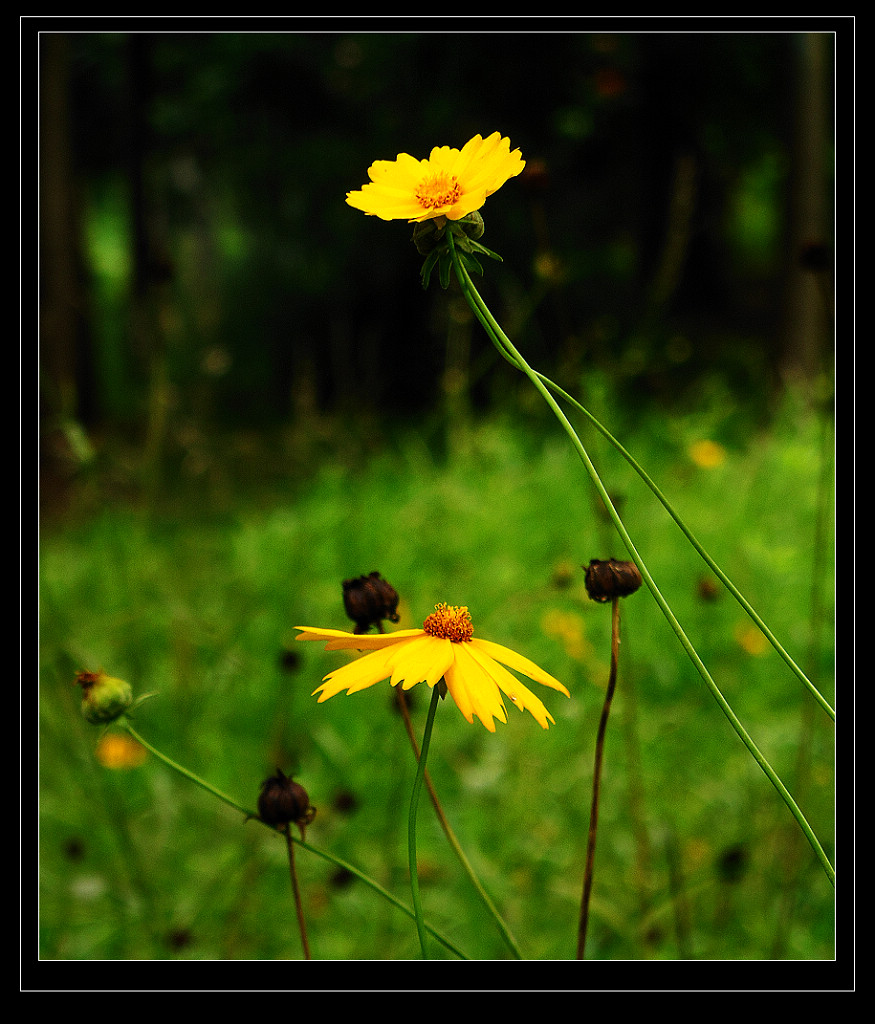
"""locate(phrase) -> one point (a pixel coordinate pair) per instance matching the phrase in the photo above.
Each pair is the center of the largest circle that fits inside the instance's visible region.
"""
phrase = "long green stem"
(452, 839)
(482, 313)
(497, 334)
(377, 888)
(411, 820)
(196, 779)
(248, 813)
(721, 575)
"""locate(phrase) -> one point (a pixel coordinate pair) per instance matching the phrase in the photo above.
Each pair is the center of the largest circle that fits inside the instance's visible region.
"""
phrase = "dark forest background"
(201, 273)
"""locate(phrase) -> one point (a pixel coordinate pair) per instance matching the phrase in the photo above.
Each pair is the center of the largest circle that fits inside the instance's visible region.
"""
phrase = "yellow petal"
(490, 164)
(357, 675)
(480, 155)
(424, 659)
(403, 170)
(467, 203)
(381, 209)
(442, 158)
(519, 694)
(459, 693)
(481, 694)
(340, 640)
(468, 153)
(519, 663)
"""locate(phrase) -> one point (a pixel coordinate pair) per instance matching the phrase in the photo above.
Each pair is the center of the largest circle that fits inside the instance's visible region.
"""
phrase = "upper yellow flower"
(445, 648)
(451, 183)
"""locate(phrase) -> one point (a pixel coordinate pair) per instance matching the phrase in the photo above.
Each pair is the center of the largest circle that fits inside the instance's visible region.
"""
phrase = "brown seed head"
(283, 801)
(612, 578)
(368, 600)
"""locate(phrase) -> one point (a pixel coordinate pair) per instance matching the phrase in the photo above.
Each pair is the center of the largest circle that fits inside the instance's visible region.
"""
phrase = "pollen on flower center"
(439, 189)
(449, 623)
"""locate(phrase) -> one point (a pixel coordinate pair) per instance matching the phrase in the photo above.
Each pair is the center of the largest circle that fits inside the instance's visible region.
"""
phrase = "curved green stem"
(250, 813)
(454, 842)
(709, 561)
(482, 313)
(411, 820)
(485, 316)
(196, 779)
(377, 888)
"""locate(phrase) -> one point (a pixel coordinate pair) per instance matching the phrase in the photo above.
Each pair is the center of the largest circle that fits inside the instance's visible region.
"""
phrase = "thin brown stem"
(299, 908)
(597, 779)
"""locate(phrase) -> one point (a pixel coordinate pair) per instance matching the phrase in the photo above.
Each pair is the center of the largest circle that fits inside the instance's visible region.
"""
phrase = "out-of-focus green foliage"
(697, 859)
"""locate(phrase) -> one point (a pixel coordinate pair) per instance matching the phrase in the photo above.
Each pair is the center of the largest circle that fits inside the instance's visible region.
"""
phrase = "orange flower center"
(449, 623)
(438, 189)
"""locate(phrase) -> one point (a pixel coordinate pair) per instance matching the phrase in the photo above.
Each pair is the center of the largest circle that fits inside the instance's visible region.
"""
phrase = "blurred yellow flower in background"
(445, 648)
(451, 183)
(750, 639)
(567, 627)
(707, 454)
(116, 750)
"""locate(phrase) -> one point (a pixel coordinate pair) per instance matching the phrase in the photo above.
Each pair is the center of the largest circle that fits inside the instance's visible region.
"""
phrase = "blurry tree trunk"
(62, 302)
(152, 270)
(807, 315)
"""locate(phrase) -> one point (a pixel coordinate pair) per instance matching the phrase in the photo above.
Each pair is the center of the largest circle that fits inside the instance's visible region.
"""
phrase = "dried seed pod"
(612, 578)
(368, 600)
(283, 801)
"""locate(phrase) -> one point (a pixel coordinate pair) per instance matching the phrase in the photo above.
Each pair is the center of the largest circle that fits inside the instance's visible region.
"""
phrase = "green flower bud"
(428, 235)
(472, 225)
(431, 241)
(104, 698)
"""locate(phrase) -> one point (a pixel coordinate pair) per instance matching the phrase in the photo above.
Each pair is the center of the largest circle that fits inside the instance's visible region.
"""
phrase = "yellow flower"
(568, 628)
(751, 639)
(445, 648)
(115, 750)
(451, 183)
(708, 454)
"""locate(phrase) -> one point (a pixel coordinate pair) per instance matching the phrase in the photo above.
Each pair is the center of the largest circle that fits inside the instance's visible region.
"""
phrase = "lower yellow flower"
(451, 183)
(445, 648)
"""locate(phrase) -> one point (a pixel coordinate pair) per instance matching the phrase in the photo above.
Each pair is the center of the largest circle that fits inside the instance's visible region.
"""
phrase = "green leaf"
(477, 247)
(444, 268)
(428, 266)
(471, 263)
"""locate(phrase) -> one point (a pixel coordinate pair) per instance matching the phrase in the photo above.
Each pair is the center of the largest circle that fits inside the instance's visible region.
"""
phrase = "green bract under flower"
(439, 240)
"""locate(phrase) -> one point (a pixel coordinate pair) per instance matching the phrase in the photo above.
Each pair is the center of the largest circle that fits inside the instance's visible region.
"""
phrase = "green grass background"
(697, 856)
